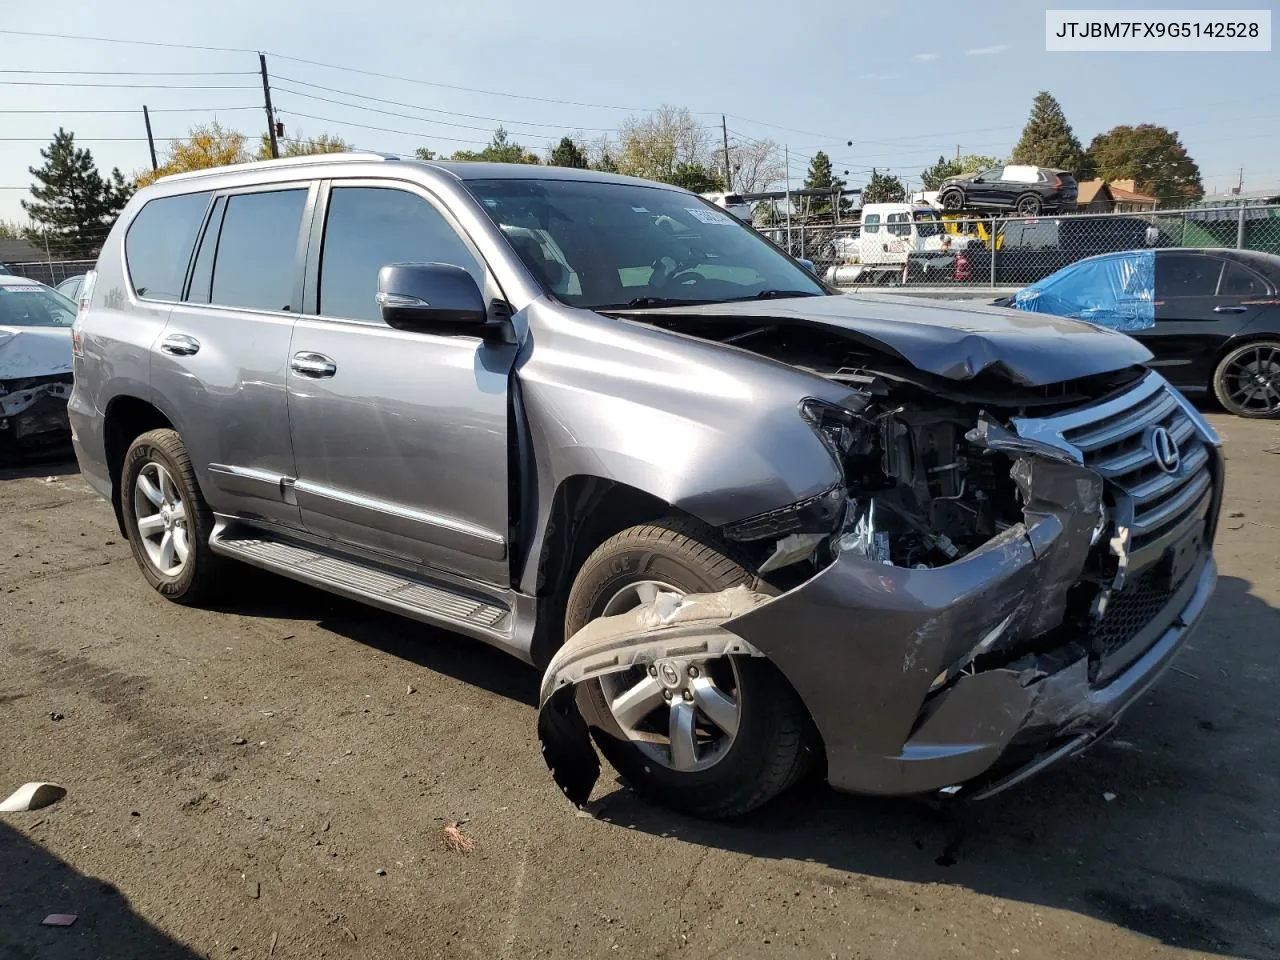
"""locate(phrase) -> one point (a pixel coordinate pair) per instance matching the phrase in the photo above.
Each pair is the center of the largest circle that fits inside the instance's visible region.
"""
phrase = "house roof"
(1090, 190)
(1126, 191)
(19, 251)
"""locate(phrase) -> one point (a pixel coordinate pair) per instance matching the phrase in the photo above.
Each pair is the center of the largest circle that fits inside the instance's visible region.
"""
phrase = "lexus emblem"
(1165, 450)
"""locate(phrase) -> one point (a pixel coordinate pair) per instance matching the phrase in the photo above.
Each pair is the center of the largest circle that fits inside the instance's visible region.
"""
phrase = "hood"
(34, 352)
(956, 340)
(961, 178)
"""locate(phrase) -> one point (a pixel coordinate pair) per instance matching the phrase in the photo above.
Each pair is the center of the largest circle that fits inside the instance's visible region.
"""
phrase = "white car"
(35, 363)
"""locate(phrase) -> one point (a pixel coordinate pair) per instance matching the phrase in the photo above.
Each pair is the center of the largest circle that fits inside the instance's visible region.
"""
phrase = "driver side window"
(871, 223)
(994, 175)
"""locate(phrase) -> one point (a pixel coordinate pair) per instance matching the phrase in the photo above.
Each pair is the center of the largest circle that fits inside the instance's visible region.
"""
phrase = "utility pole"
(1240, 184)
(787, 150)
(271, 116)
(957, 153)
(728, 171)
(151, 142)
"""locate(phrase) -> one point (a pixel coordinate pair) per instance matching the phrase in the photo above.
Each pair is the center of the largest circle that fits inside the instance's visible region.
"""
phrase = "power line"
(414, 106)
(135, 110)
(140, 43)
(127, 86)
(135, 73)
(365, 126)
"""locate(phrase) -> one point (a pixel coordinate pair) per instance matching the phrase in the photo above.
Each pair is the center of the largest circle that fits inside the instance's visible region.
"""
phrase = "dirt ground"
(273, 779)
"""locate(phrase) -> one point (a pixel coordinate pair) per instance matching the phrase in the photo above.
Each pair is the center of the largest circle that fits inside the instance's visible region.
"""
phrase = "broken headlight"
(839, 429)
(818, 514)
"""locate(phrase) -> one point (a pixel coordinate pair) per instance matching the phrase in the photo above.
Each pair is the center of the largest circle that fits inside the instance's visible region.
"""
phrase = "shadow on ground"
(1173, 853)
(34, 884)
(1169, 856)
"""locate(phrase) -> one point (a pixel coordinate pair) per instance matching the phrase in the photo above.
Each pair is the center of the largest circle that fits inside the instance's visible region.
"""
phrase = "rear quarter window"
(158, 244)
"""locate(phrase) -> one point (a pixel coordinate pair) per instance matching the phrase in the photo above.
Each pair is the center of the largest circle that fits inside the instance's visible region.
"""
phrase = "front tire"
(1029, 205)
(1247, 380)
(952, 199)
(167, 520)
(715, 774)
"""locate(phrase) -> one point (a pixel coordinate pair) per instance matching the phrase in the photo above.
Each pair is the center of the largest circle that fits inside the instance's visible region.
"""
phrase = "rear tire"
(772, 745)
(1237, 374)
(1029, 205)
(167, 520)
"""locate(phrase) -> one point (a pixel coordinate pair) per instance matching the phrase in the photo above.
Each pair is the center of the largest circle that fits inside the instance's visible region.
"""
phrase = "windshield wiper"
(654, 302)
(782, 294)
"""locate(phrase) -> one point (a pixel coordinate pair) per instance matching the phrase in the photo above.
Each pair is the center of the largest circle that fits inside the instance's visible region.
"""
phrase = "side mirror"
(431, 298)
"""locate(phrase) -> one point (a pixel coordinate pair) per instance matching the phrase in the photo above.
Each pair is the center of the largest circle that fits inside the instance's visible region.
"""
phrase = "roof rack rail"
(311, 159)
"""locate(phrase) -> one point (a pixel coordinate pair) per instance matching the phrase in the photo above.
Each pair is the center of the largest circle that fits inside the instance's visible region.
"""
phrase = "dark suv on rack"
(1011, 187)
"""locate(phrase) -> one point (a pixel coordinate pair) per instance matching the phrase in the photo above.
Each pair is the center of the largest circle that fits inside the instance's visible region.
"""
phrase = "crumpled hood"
(34, 352)
(957, 340)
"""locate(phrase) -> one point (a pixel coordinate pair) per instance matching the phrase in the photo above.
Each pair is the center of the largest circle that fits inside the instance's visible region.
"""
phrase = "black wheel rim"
(1251, 381)
(1028, 205)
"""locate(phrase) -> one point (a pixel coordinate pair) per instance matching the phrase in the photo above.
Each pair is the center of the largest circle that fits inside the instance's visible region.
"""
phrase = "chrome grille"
(1119, 446)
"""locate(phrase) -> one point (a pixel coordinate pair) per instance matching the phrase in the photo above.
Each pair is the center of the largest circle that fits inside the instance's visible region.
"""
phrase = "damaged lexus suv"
(745, 524)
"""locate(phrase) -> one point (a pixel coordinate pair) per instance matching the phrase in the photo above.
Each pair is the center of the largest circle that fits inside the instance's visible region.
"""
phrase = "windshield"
(29, 305)
(927, 223)
(599, 245)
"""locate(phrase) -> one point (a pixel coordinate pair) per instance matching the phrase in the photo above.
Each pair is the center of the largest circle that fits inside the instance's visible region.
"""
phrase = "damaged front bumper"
(34, 412)
(960, 678)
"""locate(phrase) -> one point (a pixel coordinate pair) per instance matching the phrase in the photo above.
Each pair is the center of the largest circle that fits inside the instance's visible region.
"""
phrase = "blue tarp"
(1115, 291)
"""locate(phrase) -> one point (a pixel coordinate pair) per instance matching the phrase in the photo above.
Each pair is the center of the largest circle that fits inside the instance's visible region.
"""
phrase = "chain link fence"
(52, 272)
(930, 248)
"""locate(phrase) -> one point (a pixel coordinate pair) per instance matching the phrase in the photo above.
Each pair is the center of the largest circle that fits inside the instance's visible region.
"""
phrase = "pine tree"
(72, 207)
(883, 188)
(568, 154)
(822, 177)
(1047, 139)
(606, 163)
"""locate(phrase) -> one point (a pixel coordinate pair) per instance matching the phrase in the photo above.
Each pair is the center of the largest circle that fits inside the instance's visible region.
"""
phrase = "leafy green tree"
(9, 230)
(500, 149)
(567, 153)
(696, 177)
(72, 206)
(942, 170)
(656, 146)
(822, 177)
(883, 188)
(605, 163)
(206, 146)
(1152, 157)
(302, 146)
(1048, 141)
(422, 153)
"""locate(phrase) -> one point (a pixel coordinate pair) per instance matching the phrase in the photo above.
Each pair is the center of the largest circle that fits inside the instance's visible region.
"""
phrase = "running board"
(367, 583)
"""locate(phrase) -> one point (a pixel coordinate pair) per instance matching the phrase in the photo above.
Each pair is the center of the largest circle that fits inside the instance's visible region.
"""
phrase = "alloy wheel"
(683, 715)
(1252, 380)
(161, 516)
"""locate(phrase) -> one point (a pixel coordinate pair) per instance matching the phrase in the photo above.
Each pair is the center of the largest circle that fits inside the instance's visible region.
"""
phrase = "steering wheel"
(667, 271)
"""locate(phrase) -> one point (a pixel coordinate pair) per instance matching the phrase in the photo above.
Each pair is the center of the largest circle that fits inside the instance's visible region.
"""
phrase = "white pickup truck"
(890, 232)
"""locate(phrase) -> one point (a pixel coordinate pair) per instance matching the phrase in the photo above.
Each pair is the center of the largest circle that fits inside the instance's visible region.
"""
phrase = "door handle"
(180, 345)
(1226, 309)
(313, 365)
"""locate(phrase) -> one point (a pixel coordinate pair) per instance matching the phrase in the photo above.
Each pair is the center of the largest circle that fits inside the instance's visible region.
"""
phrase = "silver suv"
(743, 522)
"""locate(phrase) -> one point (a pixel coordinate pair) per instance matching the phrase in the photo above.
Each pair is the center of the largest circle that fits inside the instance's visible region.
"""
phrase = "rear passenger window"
(1186, 275)
(1240, 282)
(257, 250)
(368, 227)
(157, 246)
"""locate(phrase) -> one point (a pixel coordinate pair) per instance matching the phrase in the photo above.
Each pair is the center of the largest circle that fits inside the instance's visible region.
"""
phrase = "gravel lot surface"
(275, 779)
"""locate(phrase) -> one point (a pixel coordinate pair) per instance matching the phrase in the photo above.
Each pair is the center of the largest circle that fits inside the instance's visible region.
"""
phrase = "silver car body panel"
(402, 460)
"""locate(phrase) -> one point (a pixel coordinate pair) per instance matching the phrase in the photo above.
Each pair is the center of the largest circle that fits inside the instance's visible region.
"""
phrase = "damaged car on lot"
(35, 366)
(744, 524)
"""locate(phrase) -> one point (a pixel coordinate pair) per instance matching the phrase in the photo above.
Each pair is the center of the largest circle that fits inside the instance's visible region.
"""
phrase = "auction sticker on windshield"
(710, 216)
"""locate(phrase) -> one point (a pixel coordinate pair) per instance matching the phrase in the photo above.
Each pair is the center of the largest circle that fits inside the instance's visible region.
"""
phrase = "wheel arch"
(126, 418)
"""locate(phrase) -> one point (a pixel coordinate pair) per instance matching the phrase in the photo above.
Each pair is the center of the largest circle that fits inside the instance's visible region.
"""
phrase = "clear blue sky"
(904, 81)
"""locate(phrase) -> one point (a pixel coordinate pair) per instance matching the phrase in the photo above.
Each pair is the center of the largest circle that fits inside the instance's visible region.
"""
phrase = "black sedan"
(1211, 317)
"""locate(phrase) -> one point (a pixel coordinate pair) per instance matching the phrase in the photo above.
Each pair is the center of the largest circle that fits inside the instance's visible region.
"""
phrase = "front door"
(1201, 301)
(400, 438)
(219, 365)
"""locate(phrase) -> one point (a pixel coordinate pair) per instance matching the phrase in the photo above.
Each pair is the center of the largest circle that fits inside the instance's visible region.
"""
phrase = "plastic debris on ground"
(32, 796)
(58, 920)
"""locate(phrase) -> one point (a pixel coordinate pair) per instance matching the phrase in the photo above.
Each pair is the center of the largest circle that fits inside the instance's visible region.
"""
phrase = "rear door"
(1201, 301)
(218, 369)
(400, 438)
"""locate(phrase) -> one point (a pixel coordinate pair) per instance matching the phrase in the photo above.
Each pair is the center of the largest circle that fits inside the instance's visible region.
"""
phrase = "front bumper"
(33, 413)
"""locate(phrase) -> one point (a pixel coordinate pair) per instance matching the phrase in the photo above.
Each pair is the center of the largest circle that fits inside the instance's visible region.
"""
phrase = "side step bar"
(378, 586)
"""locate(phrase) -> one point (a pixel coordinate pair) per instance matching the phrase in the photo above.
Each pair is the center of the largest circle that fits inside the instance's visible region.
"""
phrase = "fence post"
(1240, 230)
(995, 242)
